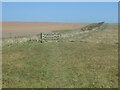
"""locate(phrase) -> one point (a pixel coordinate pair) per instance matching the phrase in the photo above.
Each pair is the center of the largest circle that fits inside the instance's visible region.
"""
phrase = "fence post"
(41, 37)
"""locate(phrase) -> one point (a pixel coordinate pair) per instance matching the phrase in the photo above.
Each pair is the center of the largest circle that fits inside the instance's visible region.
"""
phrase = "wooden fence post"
(41, 37)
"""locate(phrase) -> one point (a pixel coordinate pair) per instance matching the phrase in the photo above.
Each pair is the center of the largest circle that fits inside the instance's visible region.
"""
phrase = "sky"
(60, 0)
(60, 11)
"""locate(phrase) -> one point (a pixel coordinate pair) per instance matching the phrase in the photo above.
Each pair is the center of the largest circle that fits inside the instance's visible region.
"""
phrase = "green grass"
(63, 64)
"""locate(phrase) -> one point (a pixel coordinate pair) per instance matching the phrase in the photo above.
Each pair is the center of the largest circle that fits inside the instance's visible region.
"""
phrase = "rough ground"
(82, 60)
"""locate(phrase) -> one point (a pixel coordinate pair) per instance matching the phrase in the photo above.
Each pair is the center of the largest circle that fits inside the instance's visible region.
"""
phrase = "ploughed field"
(14, 29)
(82, 59)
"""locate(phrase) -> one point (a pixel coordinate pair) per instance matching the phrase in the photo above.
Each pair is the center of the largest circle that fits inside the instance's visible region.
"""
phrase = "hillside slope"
(83, 60)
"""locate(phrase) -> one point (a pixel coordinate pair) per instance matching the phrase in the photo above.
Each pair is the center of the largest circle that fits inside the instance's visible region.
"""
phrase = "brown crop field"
(29, 28)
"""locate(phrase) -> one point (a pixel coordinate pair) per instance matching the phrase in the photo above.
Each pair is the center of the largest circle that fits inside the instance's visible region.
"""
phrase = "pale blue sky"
(60, 11)
(60, 0)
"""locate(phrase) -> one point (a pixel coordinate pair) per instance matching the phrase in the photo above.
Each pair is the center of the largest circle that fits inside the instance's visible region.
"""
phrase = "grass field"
(83, 60)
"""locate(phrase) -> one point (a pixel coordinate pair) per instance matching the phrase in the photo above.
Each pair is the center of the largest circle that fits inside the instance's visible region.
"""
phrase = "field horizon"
(30, 28)
(25, 28)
